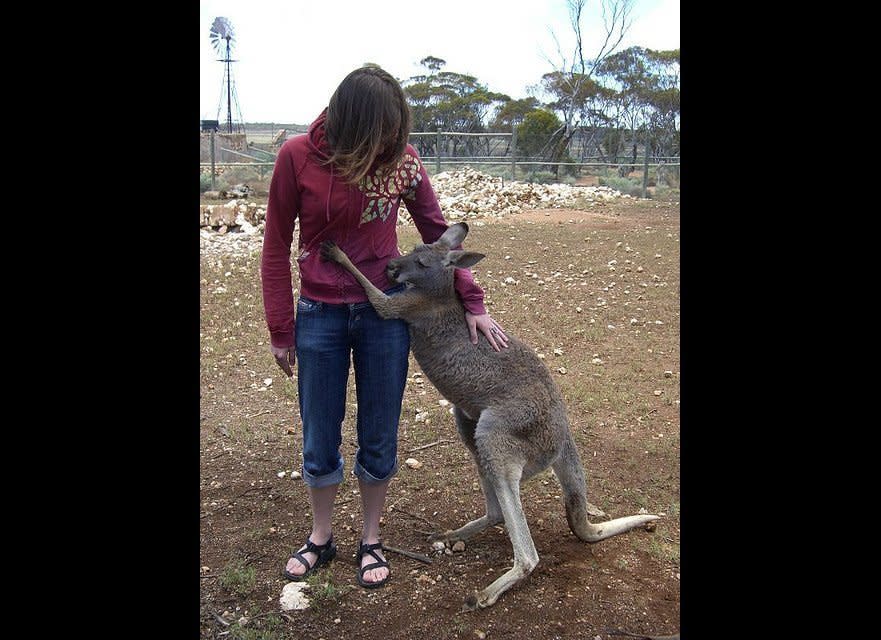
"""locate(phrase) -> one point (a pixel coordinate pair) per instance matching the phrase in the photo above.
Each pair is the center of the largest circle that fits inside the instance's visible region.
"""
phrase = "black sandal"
(370, 549)
(326, 553)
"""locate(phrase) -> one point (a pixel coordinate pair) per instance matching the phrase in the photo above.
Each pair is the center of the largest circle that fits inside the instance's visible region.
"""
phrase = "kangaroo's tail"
(570, 473)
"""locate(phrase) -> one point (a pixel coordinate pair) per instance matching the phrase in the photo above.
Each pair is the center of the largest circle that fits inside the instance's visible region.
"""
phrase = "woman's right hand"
(285, 357)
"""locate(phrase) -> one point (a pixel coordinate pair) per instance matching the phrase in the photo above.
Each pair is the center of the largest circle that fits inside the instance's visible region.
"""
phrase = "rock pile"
(237, 226)
(467, 193)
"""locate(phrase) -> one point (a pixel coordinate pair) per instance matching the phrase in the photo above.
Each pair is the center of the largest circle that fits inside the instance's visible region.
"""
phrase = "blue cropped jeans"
(326, 336)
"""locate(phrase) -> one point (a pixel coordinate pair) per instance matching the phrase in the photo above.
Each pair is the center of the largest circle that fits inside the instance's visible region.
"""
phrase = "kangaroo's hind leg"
(502, 460)
(466, 427)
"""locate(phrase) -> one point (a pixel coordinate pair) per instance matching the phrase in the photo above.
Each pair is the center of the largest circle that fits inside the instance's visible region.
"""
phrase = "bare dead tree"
(575, 73)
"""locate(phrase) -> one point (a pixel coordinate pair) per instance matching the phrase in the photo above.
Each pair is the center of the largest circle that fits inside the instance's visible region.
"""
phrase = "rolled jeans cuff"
(365, 476)
(328, 479)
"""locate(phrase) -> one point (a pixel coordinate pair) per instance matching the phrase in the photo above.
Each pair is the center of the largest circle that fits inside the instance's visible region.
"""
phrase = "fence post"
(513, 152)
(645, 165)
(437, 151)
(211, 134)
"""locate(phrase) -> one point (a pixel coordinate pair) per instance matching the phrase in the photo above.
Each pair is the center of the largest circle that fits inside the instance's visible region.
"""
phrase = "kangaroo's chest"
(459, 370)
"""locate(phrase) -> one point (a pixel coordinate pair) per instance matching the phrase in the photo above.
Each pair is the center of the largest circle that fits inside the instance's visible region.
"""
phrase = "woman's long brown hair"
(368, 122)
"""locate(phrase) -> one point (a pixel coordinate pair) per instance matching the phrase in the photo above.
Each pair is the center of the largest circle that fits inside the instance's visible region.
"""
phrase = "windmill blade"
(221, 31)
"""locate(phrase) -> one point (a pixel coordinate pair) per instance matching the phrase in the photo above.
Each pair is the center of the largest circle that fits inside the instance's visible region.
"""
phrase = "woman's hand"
(285, 357)
(488, 327)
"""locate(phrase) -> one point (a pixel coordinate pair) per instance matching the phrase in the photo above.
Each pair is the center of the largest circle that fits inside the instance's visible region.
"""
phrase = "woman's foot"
(309, 557)
(373, 569)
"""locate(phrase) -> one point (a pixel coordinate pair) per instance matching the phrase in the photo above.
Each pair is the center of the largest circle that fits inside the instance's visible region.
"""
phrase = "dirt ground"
(596, 294)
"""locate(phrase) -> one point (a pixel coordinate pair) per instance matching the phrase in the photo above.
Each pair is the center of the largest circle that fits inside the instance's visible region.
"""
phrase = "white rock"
(438, 545)
(296, 475)
(267, 381)
(413, 463)
(281, 474)
(293, 598)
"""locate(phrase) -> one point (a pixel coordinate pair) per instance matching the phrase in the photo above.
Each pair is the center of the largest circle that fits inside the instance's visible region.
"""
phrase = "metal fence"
(495, 152)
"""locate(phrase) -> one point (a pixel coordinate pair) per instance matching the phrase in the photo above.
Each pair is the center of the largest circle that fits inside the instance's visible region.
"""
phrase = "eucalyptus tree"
(449, 101)
(512, 113)
(574, 92)
(646, 96)
(664, 100)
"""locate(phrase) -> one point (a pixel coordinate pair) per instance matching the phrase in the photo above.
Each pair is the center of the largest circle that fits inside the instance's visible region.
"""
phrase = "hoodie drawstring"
(329, 191)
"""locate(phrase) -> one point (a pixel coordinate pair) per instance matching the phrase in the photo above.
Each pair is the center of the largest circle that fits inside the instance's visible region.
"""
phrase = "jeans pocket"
(307, 305)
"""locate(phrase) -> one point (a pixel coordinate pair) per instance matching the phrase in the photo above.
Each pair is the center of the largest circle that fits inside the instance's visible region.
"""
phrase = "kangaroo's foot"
(488, 596)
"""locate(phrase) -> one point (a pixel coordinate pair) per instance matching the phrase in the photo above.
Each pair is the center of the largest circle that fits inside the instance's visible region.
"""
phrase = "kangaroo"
(509, 411)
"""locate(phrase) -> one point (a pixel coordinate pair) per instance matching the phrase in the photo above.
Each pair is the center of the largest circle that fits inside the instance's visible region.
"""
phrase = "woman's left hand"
(488, 327)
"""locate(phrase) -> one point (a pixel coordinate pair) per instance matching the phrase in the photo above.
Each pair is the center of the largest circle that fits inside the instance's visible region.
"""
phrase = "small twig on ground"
(263, 615)
(430, 444)
(259, 413)
(412, 515)
(220, 619)
(253, 489)
(410, 554)
(643, 417)
(250, 560)
(218, 455)
(206, 577)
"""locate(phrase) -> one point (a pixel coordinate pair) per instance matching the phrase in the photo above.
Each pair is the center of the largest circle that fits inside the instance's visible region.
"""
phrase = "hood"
(318, 147)
(317, 137)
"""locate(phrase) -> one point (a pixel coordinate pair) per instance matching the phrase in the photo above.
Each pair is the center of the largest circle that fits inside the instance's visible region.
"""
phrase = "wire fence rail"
(480, 150)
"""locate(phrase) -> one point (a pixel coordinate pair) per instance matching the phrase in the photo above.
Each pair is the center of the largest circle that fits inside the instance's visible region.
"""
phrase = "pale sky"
(292, 54)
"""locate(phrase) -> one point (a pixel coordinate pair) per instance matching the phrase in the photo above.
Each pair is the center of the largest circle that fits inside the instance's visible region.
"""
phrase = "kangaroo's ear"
(453, 236)
(463, 259)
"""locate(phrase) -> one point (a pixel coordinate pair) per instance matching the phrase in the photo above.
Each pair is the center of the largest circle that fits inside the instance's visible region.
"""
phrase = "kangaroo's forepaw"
(330, 251)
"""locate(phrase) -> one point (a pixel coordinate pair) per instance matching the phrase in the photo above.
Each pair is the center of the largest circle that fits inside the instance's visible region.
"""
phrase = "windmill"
(222, 38)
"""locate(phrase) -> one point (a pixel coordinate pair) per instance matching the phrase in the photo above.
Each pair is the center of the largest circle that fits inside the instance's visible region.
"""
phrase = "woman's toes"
(296, 568)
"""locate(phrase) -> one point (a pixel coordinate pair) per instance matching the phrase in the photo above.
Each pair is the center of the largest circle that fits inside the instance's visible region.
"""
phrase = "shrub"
(624, 185)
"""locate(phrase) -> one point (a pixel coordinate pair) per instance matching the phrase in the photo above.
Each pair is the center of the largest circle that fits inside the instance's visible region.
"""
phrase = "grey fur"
(509, 411)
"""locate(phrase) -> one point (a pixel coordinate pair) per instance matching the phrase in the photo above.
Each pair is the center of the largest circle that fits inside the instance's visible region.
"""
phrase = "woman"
(345, 180)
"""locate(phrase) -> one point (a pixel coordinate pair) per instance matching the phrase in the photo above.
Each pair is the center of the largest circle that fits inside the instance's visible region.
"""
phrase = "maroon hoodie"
(361, 219)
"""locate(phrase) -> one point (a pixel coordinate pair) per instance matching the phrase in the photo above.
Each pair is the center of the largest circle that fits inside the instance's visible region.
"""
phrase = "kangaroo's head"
(430, 266)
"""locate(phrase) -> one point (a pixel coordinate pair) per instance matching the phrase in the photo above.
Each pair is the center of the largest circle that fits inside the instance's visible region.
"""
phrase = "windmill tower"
(222, 38)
